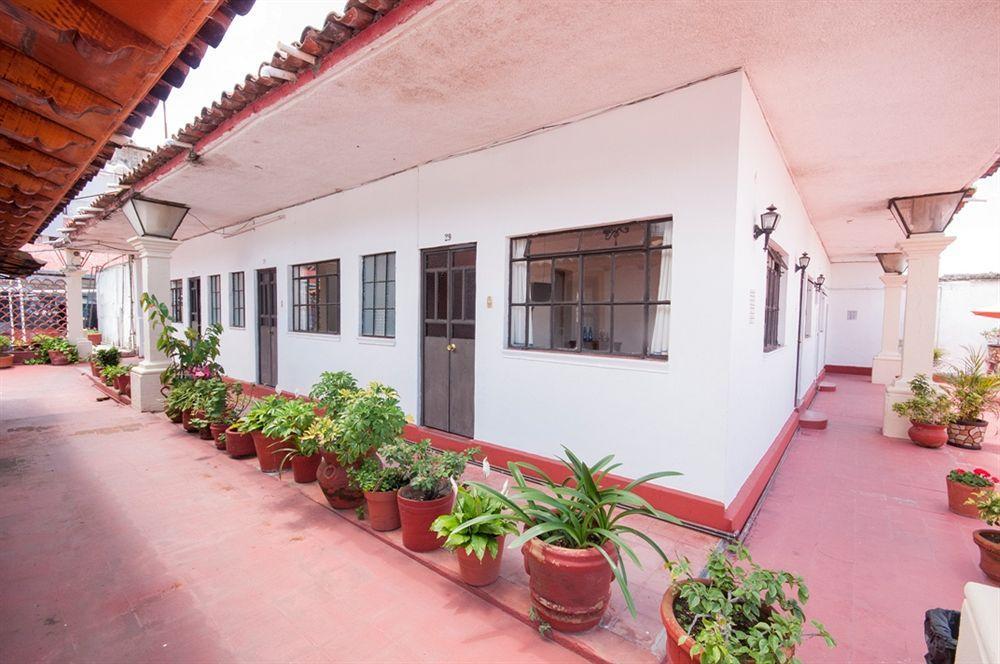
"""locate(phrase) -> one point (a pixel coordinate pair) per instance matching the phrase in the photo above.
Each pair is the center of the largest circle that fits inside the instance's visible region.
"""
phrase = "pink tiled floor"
(865, 520)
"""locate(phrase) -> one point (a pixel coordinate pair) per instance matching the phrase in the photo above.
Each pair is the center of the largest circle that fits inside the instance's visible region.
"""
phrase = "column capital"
(892, 280)
(925, 244)
(153, 247)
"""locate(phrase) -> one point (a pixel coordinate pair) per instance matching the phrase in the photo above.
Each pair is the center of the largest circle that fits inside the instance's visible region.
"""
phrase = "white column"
(923, 253)
(154, 270)
(888, 363)
(74, 310)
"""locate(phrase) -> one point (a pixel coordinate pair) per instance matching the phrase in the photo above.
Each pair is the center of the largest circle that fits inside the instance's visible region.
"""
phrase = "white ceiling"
(868, 100)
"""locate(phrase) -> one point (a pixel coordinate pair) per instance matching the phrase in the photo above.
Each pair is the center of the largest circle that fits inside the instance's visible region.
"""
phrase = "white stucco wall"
(854, 341)
(673, 155)
(958, 328)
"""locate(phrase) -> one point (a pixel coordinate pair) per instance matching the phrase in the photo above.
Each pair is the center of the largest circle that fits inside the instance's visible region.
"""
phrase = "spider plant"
(583, 512)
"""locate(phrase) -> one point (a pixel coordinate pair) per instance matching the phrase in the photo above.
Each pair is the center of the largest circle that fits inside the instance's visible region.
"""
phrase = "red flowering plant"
(977, 477)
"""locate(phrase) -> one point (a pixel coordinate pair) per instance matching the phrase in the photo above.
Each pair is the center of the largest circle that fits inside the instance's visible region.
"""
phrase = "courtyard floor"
(122, 539)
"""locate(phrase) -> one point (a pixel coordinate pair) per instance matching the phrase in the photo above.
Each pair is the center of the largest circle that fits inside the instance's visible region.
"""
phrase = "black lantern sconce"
(768, 222)
(802, 263)
(820, 280)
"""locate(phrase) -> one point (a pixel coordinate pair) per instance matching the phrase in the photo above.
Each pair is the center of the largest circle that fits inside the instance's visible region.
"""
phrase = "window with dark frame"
(214, 299)
(599, 291)
(772, 300)
(316, 297)
(177, 300)
(194, 303)
(378, 295)
(237, 299)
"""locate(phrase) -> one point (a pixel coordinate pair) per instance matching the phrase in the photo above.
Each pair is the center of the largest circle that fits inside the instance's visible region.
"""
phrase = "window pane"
(517, 321)
(566, 327)
(368, 273)
(555, 243)
(659, 329)
(609, 237)
(596, 328)
(597, 278)
(464, 258)
(630, 276)
(540, 278)
(390, 323)
(368, 295)
(661, 233)
(390, 266)
(470, 295)
(518, 247)
(629, 329)
(442, 295)
(539, 330)
(379, 330)
(368, 322)
(436, 329)
(429, 293)
(380, 267)
(463, 330)
(659, 274)
(566, 280)
(518, 281)
(457, 294)
(390, 294)
(380, 295)
(437, 259)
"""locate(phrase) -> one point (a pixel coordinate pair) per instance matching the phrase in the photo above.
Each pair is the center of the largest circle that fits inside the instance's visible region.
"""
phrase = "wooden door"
(267, 327)
(449, 339)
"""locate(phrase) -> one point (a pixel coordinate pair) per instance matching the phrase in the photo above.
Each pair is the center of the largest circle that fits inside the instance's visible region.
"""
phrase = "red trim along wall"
(845, 369)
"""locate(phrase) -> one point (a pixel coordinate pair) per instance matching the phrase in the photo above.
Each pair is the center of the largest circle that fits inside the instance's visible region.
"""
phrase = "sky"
(250, 40)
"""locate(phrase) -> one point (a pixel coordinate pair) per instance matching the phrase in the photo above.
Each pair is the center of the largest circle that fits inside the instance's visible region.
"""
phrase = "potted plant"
(572, 539)
(332, 391)
(178, 400)
(273, 422)
(54, 350)
(104, 357)
(478, 547)
(962, 485)
(380, 484)
(361, 422)
(303, 451)
(740, 612)
(973, 391)
(220, 403)
(929, 412)
(119, 377)
(22, 351)
(93, 336)
(993, 346)
(988, 539)
(6, 359)
(427, 493)
(193, 417)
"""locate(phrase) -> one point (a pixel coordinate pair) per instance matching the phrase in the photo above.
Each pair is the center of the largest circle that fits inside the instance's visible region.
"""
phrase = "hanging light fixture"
(768, 222)
(802, 263)
(930, 213)
(153, 218)
(892, 263)
(820, 280)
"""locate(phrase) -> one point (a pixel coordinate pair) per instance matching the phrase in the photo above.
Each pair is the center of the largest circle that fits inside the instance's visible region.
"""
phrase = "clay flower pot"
(124, 384)
(95, 338)
(22, 356)
(176, 417)
(967, 435)
(186, 416)
(336, 484)
(58, 358)
(239, 444)
(95, 371)
(6, 361)
(476, 572)
(988, 542)
(383, 510)
(268, 455)
(958, 493)
(928, 435)
(217, 429)
(570, 588)
(416, 517)
(304, 468)
(205, 433)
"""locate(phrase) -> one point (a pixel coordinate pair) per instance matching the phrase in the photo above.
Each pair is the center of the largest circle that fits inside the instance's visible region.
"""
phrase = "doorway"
(267, 327)
(449, 339)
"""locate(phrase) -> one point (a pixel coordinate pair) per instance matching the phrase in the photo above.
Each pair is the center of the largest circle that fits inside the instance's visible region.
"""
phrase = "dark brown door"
(194, 303)
(449, 338)
(267, 327)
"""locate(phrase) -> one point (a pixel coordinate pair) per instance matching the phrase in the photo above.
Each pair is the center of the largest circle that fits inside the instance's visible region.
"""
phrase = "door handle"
(450, 348)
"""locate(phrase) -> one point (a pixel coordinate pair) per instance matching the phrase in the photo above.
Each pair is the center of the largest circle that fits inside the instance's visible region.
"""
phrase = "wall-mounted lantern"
(802, 263)
(892, 263)
(930, 213)
(150, 217)
(820, 280)
(768, 222)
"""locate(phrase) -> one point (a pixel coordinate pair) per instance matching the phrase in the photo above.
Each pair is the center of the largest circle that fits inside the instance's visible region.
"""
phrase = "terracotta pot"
(988, 541)
(176, 417)
(304, 468)
(6, 361)
(958, 493)
(928, 435)
(678, 653)
(95, 370)
(993, 354)
(239, 444)
(186, 416)
(268, 455)
(95, 338)
(336, 484)
(217, 429)
(124, 384)
(416, 517)
(967, 435)
(22, 356)
(205, 433)
(383, 510)
(58, 358)
(570, 588)
(476, 572)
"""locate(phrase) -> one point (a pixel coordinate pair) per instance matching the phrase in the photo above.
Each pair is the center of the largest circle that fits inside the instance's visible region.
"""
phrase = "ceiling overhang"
(867, 102)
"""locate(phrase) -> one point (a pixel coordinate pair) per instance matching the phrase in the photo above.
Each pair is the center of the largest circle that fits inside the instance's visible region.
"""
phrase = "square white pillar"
(74, 311)
(888, 364)
(154, 268)
(923, 253)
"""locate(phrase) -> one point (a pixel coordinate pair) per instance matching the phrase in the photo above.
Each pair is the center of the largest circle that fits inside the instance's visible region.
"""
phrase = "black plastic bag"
(941, 635)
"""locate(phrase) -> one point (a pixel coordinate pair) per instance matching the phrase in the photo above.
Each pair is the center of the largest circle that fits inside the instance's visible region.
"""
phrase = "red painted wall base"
(845, 369)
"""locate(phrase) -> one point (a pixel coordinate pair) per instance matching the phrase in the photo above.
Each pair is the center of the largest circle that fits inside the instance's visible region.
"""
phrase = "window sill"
(317, 336)
(377, 341)
(644, 365)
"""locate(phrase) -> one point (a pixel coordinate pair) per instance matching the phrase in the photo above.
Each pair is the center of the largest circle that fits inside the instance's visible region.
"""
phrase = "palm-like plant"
(972, 388)
(585, 511)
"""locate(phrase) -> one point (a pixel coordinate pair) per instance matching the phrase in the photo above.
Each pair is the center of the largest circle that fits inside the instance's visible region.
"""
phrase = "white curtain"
(658, 341)
(519, 289)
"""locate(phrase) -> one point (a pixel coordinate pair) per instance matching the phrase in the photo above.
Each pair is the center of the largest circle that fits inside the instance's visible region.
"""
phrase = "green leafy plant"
(482, 537)
(112, 371)
(333, 391)
(90, 330)
(192, 355)
(372, 476)
(972, 388)
(4, 343)
(927, 406)
(988, 504)
(43, 343)
(260, 413)
(290, 421)
(583, 512)
(744, 612)
(106, 357)
(426, 471)
(367, 420)
(218, 401)
(309, 441)
(181, 397)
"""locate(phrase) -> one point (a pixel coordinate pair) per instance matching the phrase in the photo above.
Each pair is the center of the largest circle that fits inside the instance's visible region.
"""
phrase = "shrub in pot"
(333, 391)
(572, 539)
(365, 420)
(478, 546)
(740, 612)
(22, 351)
(119, 376)
(253, 422)
(929, 412)
(428, 492)
(93, 336)
(179, 399)
(221, 404)
(6, 359)
(962, 485)
(987, 502)
(973, 391)
(302, 453)
(289, 420)
(53, 350)
(104, 357)
(380, 484)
